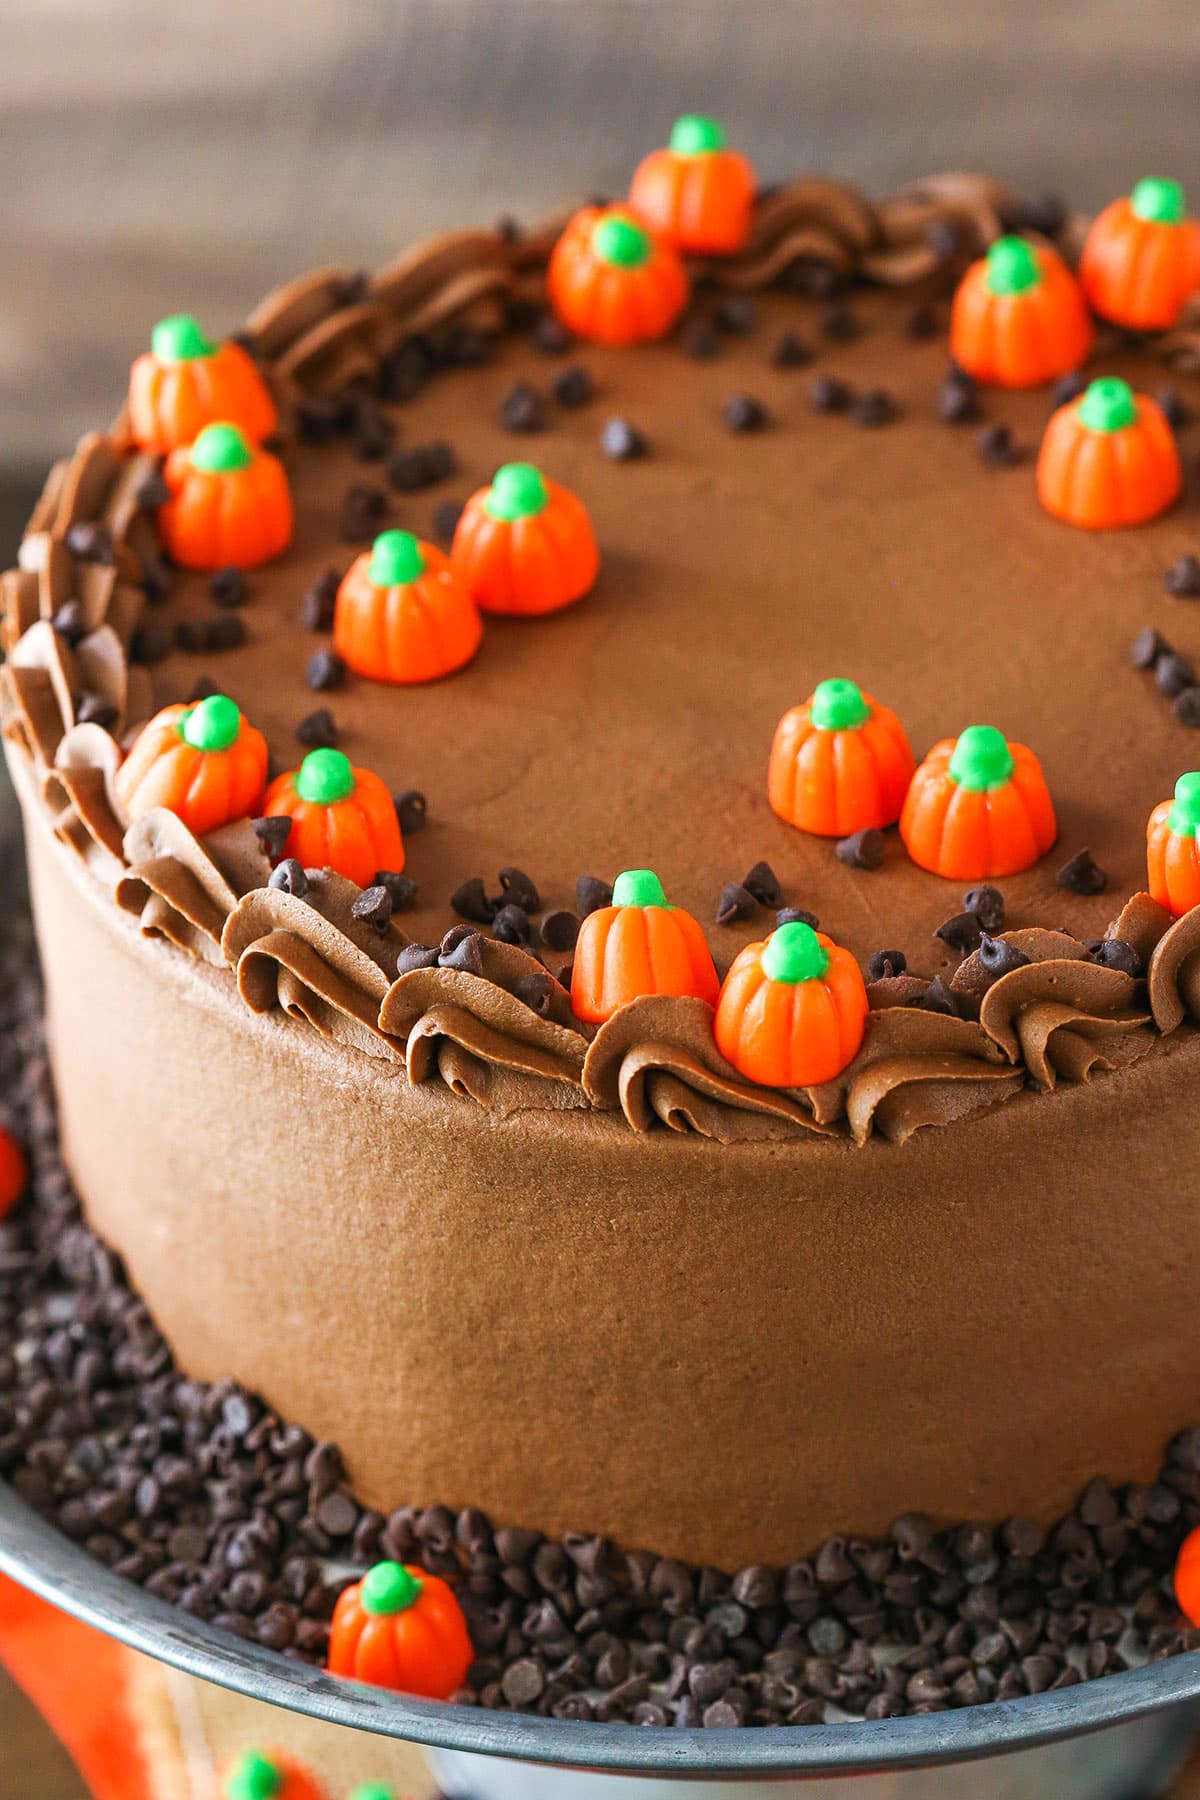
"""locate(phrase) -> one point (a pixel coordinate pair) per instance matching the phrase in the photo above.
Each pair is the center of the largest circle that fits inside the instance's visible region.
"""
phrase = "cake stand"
(1119, 1738)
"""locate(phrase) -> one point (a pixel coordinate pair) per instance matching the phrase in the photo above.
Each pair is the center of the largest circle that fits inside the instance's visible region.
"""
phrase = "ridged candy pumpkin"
(403, 613)
(1141, 258)
(978, 807)
(403, 1629)
(269, 1775)
(1172, 853)
(524, 544)
(205, 763)
(638, 945)
(1108, 459)
(792, 1009)
(1019, 318)
(230, 502)
(839, 763)
(1187, 1577)
(14, 1172)
(343, 818)
(697, 194)
(611, 280)
(185, 382)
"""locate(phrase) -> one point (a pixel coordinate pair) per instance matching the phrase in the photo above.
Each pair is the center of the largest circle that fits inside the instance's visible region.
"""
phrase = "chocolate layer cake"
(596, 1279)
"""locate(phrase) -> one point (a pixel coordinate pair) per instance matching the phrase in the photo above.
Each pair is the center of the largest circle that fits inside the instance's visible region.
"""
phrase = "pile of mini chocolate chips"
(207, 1499)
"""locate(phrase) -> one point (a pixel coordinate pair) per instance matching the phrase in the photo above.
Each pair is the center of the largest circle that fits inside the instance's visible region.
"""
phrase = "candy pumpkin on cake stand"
(185, 381)
(403, 614)
(639, 945)
(612, 280)
(403, 1629)
(978, 807)
(1108, 459)
(343, 818)
(269, 1775)
(1019, 318)
(840, 763)
(697, 194)
(1141, 258)
(205, 763)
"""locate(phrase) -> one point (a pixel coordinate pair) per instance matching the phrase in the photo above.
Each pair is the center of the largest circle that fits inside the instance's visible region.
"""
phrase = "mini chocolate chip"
(422, 466)
(962, 932)
(1147, 647)
(996, 447)
(998, 957)
(151, 645)
(987, 903)
(337, 1514)
(1187, 707)
(289, 876)
(325, 672)
(550, 336)
(416, 956)
(316, 608)
(797, 915)
(945, 239)
(591, 894)
(734, 903)
(840, 324)
(445, 519)
(272, 831)
(873, 408)
(374, 432)
(227, 586)
(1082, 875)
(318, 730)
(1183, 577)
(511, 925)
(202, 687)
(225, 632)
(411, 810)
(404, 372)
(937, 998)
(621, 441)
(92, 710)
(737, 315)
(1173, 673)
(957, 401)
(401, 888)
(862, 849)
(826, 394)
(573, 386)
(883, 964)
(373, 906)
(523, 409)
(921, 322)
(763, 883)
(363, 511)
(1115, 953)
(701, 342)
(1068, 387)
(791, 352)
(1043, 213)
(466, 952)
(471, 902)
(519, 889)
(560, 930)
(152, 492)
(91, 542)
(536, 990)
(1174, 408)
(69, 622)
(319, 418)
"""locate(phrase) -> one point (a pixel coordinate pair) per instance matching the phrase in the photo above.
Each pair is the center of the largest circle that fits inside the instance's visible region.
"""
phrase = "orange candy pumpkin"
(638, 945)
(978, 807)
(403, 614)
(269, 1775)
(14, 1172)
(1141, 258)
(1108, 459)
(185, 382)
(697, 194)
(613, 281)
(401, 1628)
(1172, 855)
(1019, 317)
(524, 544)
(343, 818)
(792, 1010)
(1187, 1577)
(230, 502)
(839, 763)
(205, 763)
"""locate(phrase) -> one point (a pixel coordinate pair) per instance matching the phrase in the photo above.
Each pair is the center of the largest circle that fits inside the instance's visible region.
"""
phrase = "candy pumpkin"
(205, 763)
(14, 1172)
(524, 544)
(230, 503)
(839, 763)
(1108, 459)
(403, 614)
(978, 807)
(1018, 317)
(1187, 1577)
(269, 1775)
(343, 818)
(638, 945)
(401, 1628)
(185, 382)
(1141, 258)
(697, 194)
(1172, 855)
(792, 1009)
(611, 280)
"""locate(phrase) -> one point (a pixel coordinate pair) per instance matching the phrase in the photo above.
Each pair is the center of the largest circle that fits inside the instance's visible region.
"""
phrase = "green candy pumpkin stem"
(254, 1777)
(638, 887)
(220, 449)
(794, 953)
(1012, 266)
(212, 724)
(694, 135)
(619, 240)
(981, 759)
(1184, 816)
(1158, 201)
(396, 558)
(325, 777)
(1108, 405)
(838, 705)
(389, 1588)
(518, 491)
(180, 339)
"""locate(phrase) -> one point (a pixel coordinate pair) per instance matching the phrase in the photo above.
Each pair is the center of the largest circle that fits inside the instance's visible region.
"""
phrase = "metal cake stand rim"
(39, 1557)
